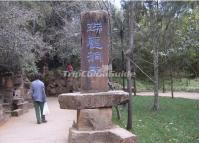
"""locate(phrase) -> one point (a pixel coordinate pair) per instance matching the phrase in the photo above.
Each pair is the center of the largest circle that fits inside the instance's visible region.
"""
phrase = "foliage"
(31, 32)
(35, 32)
(17, 43)
(171, 26)
(175, 122)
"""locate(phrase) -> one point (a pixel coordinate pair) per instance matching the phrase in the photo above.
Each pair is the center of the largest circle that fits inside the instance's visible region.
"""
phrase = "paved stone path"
(24, 129)
(188, 95)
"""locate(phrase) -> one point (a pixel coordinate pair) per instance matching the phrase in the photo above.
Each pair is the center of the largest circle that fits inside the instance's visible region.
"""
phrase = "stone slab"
(94, 119)
(114, 135)
(92, 100)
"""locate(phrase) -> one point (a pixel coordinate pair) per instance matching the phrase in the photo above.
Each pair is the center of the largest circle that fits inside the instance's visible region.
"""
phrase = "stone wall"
(56, 83)
(13, 96)
(3, 115)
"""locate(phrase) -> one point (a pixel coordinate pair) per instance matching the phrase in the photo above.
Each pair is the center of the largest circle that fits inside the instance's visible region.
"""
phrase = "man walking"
(39, 98)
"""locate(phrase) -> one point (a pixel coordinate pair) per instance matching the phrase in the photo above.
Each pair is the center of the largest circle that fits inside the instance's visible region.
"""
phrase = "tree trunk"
(118, 112)
(130, 51)
(156, 72)
(33, 27)
(123, 68)
(130, 110)
(134, 85)
(171, 80)
(163, 85)
(156, 83)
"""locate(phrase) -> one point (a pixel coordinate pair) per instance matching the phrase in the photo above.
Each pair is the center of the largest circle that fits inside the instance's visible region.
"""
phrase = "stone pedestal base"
(114, 135)
(94, 119)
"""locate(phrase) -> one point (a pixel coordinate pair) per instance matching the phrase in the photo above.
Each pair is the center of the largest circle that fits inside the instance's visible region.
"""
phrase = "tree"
(128, 52)
(31, 30)
(160, 37)
(16, 41)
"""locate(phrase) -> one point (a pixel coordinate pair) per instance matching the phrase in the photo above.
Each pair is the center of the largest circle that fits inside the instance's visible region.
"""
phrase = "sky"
(116, 3)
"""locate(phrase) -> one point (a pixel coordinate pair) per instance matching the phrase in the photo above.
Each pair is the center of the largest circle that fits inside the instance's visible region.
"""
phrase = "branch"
(141, 70)
(105, 6)
(100, 5)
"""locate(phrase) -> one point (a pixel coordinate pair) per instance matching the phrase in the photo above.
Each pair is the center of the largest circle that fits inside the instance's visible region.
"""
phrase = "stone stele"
(94, 52)
(94, 103)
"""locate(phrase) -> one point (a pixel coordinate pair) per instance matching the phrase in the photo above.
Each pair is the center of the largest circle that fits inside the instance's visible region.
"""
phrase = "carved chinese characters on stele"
(94, 51)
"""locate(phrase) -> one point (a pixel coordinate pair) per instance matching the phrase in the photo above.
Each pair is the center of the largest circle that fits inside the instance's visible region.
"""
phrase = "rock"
(115, 135)
(62, 82)
(18, 80)
(27, 84)
(17, 112)
(94, 119)
(76, 84)
(92, 100)
(24, 106)
(120, 135)
(1, 110)
(52, 91)
(3, 115)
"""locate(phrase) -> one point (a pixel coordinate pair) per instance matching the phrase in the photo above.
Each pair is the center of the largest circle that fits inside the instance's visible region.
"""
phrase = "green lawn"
(176, 122)
(183, 84)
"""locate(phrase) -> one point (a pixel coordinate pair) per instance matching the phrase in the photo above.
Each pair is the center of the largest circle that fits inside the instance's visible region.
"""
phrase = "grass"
(183, 84)
(177, 121)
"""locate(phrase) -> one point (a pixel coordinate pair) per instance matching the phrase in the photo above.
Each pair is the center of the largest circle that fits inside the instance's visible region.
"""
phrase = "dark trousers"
(39, 111)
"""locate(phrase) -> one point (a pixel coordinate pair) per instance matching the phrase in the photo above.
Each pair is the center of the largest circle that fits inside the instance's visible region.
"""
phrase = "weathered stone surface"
(92, 100)
(17, 112)
(94, 119)
(7, 106)
(7, 95)
(94, 51)
(115, 135)
(24, 106)
(62, 85)
(4, 117)
(120, 135)
(1, 112)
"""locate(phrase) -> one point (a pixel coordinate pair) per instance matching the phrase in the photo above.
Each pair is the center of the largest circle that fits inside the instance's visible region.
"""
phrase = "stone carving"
(94, 102)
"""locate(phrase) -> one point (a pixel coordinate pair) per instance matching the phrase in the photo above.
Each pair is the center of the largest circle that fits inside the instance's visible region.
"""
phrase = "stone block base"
(114, 135)
(94, 119)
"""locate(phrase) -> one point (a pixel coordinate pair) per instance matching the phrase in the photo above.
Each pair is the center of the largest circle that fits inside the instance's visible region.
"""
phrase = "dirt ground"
(24, 129)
